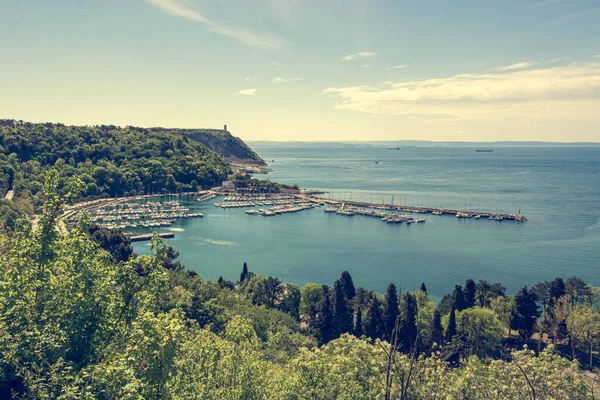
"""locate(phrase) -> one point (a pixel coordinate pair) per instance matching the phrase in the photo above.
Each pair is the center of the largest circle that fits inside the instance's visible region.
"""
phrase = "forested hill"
(111, 160)
(218, 140)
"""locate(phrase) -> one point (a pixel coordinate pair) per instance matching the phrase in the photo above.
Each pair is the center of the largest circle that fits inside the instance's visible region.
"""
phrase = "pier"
(149, 236)
(424, 210)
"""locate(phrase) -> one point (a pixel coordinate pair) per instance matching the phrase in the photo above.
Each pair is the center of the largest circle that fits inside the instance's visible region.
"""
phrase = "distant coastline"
(423, 143)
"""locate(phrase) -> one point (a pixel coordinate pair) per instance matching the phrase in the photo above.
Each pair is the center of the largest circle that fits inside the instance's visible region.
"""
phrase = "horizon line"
(314, 141)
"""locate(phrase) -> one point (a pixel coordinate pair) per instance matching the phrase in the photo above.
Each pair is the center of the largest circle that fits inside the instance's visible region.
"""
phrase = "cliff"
(224, 143)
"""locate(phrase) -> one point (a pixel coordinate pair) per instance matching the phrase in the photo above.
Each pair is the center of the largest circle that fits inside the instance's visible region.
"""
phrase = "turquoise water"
(558, 189)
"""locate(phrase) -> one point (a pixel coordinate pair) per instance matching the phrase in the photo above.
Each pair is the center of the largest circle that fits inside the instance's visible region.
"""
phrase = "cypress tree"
(358, 329)
(459, 298)
(409, 322)
(343, 315)
(469, 293)
(451, 329)
(525, 313)
(423, 288)
(373, 326)
(244, 273)
(436, 331)
(325, 324)
(390, 312)
(348, 285)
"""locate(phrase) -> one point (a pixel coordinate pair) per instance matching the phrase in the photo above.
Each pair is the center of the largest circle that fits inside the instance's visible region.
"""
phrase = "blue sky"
(309, 70)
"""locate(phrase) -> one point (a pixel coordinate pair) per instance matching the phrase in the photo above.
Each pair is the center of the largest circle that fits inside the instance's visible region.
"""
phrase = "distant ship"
(484, 150)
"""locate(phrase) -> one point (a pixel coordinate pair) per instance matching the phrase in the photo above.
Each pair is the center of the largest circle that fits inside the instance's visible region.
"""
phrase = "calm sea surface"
(558, 189)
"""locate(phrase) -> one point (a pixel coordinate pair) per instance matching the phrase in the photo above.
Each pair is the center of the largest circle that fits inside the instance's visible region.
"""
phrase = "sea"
(556, 187)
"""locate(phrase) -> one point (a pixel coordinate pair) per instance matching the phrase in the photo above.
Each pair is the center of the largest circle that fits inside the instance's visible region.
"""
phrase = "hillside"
(219, 141)
(111, 160)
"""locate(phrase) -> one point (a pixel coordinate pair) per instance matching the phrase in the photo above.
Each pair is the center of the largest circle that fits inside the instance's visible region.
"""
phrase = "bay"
(557, 188)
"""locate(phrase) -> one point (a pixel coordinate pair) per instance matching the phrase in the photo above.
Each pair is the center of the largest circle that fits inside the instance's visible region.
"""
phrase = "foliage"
(391, 311)
(374, 325)
(583, 323)
(110, 160)
(347, 285)
(312, 298)
(525, 313)
(481, 329)
(77, 324)
(343, 317)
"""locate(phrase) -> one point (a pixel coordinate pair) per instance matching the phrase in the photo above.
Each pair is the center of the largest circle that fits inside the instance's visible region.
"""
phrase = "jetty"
(205, 196)
(421, 210)
(149, 236)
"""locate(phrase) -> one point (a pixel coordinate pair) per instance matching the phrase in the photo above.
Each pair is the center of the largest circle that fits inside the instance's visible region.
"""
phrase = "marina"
(389, 213)
(137, 212)
(146, 212)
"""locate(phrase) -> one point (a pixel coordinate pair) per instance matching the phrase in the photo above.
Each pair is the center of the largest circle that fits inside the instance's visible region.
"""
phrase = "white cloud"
(559, 59)
(362, 54)
(396, 67)
(569, 92)
(365, 66)
(246, 92)
(264, 40)
(598, 56)
(247, 79)
(285, 80)
(519, 65)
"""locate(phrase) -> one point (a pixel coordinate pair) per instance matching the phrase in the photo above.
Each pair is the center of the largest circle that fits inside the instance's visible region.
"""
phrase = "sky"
(309, 70)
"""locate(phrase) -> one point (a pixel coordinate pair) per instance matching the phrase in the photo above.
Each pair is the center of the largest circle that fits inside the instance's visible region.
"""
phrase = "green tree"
(485, 292)
(503, 307)
(436, 331)
(325, 323)
(557, 289)
(459, 298)
(525, 313)
(244, 273)
(312, 297)
(408, 330)
(358, 328)
(583, 324)
(451, 328)
(482, 329)
(342, 320)
(391, 311)
(289, 300)
(470, 293)
(348, 285)
(374, 325)
(578, 290)
(556, 318)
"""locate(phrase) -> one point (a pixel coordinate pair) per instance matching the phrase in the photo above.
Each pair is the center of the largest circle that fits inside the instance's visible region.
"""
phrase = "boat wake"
(220, 242)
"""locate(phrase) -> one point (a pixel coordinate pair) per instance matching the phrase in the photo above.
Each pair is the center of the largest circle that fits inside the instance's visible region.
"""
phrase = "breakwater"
(425, 210)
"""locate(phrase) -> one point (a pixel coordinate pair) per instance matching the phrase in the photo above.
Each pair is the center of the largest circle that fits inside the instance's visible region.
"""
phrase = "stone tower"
(225, 128)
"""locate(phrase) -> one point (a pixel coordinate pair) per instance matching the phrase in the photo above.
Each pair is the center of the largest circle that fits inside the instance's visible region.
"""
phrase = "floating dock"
(149, 236)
